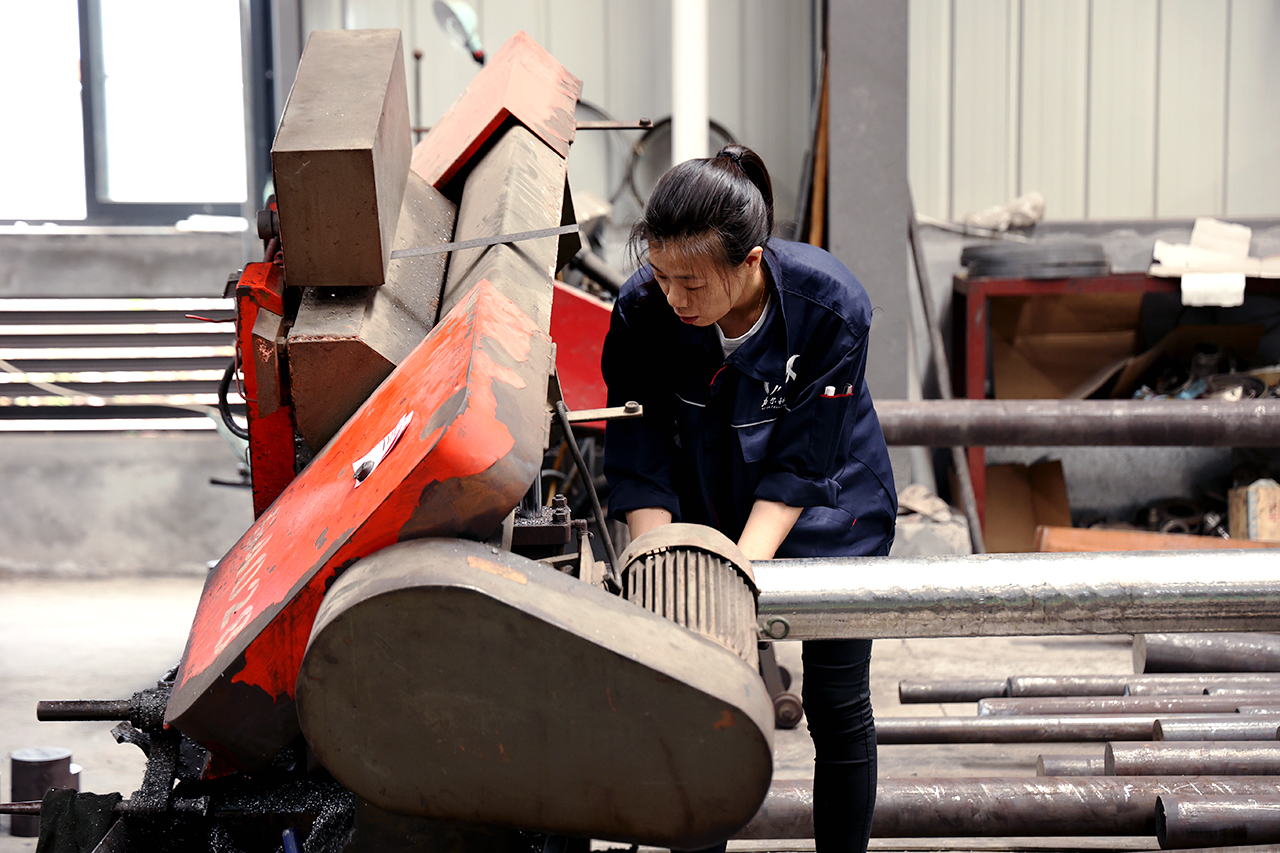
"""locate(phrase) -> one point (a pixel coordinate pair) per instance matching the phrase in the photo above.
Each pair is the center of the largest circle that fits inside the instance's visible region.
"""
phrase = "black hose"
(224, 407)
(611, 557)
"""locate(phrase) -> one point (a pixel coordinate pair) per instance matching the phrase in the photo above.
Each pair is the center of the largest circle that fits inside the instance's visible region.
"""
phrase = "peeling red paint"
(522, 81)
(255, 615)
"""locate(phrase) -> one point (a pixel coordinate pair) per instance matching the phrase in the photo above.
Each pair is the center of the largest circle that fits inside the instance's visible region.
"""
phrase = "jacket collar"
(763, 356)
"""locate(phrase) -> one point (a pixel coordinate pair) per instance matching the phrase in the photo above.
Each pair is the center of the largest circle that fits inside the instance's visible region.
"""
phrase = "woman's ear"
(754, 256)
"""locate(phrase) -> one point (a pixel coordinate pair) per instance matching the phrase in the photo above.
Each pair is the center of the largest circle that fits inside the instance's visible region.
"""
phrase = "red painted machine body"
(260, 296)
(522, 81)
(579, 322)
(476, 388)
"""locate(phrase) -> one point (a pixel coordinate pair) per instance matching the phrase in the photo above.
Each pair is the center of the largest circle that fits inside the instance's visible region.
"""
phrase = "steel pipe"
(1186, 820)
(1080, 423)
(1049, 729)
(1070, 765)
(1232, 652)
(928, 692)
(1119, 705)
(1217, 727)
(1018, 594)
(1210, 758)
(968, 807)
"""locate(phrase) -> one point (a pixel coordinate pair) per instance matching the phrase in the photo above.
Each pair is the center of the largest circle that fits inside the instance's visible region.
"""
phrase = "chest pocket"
(754, 440)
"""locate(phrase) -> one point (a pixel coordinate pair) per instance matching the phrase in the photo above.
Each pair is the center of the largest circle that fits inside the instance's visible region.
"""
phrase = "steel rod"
(1118, 705)
(1206, 758)
(79, 710)
(1185, 820)
(1019, 594)
(993, 807)
(1070, 765)
(1080, 423)
(1190, 684)
(955, 690)
(1048, 729)
(1171, 684)
(1231, 652)
(1216, 727)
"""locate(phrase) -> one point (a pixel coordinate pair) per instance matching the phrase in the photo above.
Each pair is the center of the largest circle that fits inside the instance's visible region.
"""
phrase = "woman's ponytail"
(721, 204)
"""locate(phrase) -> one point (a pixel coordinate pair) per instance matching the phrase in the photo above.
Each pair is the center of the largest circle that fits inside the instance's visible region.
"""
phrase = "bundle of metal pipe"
(1120, 705)
(1231, 652)
(1017, 594)
(1213, 758)
(1186, 820)
(1172, 684)
(1080, 423)
(981, 807)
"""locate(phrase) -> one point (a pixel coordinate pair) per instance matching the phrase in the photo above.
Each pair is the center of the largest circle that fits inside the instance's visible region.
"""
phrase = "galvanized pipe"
(1070, 765)
(1186, 820)
(1050, 729)
(1217, 727)
(1232, 652)
(1119, 705)
(1080, 423)
(1209, 758)
(968, 807)
(1018, 594)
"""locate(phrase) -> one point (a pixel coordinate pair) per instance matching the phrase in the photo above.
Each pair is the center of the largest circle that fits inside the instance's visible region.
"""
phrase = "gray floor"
(105, 639)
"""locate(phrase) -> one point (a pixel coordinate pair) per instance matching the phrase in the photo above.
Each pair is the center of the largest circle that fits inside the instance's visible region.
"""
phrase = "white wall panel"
(1054, 104)
(984, 122)
(501, 19)
(1122, 115)
(776, 92)
(375, 14)
(1253, 109)
(929, 105)
(1191, 108)
(573, 37)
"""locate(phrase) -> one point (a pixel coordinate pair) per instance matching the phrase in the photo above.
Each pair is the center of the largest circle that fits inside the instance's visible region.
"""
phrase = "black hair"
(714, 209)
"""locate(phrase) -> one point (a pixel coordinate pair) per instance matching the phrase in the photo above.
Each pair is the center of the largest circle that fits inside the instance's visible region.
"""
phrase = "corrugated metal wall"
(1114, 109)
(760, 69)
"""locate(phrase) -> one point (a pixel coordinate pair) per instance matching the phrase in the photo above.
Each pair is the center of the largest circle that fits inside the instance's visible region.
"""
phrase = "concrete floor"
(107, 638)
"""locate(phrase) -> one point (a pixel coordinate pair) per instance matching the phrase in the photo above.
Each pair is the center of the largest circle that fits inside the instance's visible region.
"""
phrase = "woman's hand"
(768, 524)
(641, 521)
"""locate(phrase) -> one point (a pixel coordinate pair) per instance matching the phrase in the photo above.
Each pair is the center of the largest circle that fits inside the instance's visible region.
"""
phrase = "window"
(155, 133)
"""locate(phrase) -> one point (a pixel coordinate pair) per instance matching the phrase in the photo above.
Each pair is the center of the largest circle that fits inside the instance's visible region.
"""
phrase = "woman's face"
(700, 291)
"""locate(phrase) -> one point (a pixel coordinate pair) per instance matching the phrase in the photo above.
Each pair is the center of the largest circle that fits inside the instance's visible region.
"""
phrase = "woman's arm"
(640, 521)
(768, 524)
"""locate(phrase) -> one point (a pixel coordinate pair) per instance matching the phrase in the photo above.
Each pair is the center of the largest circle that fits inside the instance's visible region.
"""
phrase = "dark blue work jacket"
(787, 417)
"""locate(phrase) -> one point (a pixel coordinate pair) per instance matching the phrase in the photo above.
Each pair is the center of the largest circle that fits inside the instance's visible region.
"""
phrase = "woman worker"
(748, 355)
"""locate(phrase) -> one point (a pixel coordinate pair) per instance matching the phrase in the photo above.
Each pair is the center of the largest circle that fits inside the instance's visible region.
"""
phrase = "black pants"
(837, 706)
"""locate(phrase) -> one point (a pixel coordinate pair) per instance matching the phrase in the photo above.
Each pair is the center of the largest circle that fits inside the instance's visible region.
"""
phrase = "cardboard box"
(1254, 511)
(1021, 498)
(1045, 347)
